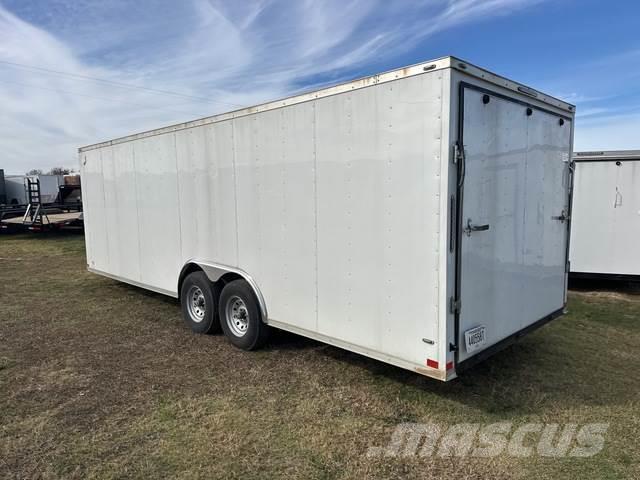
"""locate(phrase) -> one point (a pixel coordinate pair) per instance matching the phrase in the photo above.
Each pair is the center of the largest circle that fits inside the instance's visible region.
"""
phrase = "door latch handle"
(475, 228)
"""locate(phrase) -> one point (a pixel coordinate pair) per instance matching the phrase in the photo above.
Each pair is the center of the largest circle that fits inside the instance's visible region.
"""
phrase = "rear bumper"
(504, 343)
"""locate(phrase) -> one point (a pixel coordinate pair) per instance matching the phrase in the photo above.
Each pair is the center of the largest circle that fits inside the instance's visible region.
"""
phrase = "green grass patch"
(103, 380)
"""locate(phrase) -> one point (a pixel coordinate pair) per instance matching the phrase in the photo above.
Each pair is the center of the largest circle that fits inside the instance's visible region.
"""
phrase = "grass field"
(102, 380)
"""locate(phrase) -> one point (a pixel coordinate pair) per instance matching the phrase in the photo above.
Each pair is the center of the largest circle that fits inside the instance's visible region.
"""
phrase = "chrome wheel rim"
(196, 303)
(237, 316)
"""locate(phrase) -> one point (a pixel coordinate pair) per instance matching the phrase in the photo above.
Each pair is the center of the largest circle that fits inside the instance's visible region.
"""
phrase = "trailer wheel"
(240, 316)
(198, 304)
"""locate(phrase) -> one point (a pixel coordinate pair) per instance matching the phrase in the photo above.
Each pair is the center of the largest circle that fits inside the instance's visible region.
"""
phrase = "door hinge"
(453, 347)
(458, 153)
(563, 217)
(454, 305)
(460, 159)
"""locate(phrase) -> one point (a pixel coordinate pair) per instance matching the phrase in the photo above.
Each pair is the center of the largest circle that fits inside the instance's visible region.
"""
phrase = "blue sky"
(201, 57)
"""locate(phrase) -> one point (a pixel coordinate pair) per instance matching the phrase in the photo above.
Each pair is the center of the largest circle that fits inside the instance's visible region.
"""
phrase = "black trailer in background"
(3, 190)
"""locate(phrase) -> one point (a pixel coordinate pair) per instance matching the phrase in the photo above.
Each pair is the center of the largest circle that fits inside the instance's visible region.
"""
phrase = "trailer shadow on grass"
(283, 340)
(159, 297)
(563, 366)
(553, 366)
(604, 284)
(547, 369)
(46, 235)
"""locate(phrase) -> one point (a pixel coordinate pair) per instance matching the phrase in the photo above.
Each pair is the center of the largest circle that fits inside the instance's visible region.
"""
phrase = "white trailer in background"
(605, 223)
(417, 216)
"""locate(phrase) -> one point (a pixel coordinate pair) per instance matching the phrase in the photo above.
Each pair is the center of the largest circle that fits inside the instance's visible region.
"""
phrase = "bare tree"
(34, 171)
(60, 171)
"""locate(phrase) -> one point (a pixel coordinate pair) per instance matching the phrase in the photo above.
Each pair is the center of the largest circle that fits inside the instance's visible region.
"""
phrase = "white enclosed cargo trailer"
(605, 224)
(417, 216)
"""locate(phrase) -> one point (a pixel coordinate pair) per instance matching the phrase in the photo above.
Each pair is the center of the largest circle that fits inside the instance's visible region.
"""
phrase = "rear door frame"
(460, 162)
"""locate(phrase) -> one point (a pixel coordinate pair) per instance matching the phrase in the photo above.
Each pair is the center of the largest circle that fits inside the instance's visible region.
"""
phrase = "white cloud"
(237, 52)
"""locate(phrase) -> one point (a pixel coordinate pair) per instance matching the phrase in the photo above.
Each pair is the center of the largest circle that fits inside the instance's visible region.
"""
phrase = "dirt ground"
(102, 380)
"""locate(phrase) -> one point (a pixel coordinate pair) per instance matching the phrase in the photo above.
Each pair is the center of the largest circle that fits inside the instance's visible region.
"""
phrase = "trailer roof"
(607, 155)
(417, 69)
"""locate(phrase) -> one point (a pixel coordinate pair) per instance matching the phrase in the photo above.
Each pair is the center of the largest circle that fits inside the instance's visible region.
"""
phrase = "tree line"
(53, 171)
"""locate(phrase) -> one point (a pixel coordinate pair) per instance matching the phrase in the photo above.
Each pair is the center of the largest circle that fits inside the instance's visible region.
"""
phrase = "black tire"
(247, 332)
(197, 298)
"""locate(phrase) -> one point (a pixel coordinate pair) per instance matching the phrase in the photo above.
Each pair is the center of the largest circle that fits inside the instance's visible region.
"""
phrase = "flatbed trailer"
(39, 215)
(418, 216)
(48, 220)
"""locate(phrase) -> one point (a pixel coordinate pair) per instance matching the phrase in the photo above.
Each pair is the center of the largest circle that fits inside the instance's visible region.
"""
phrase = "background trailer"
(605, 224)
(3, 190)
(17, 193)
(417, 216)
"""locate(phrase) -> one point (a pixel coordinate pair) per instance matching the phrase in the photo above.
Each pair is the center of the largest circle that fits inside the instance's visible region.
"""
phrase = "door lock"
(475, 228)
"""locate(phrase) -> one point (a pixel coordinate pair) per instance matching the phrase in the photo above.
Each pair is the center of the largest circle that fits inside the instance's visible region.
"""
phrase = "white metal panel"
(157, 211)
(192, 182)
(547, 198)
(350, 157)
(222, 175)
(248, 195)
(495, 143)
(378, 154)
(605, 224)
(118, 168)
(447, 257)
(276, 209)
(111, 211)
(94, 213)
(512, 274)
(206, 185)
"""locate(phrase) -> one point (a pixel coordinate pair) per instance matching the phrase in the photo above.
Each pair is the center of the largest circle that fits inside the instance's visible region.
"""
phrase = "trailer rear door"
(513, 232)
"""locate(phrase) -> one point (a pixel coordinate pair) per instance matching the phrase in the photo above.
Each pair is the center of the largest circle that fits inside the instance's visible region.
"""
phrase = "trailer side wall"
(334, 206)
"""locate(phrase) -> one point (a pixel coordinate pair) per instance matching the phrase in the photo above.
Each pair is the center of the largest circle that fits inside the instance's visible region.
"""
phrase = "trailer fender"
(215, 271)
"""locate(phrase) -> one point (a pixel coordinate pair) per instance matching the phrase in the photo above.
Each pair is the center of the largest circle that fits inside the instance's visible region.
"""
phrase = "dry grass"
(102, 380)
